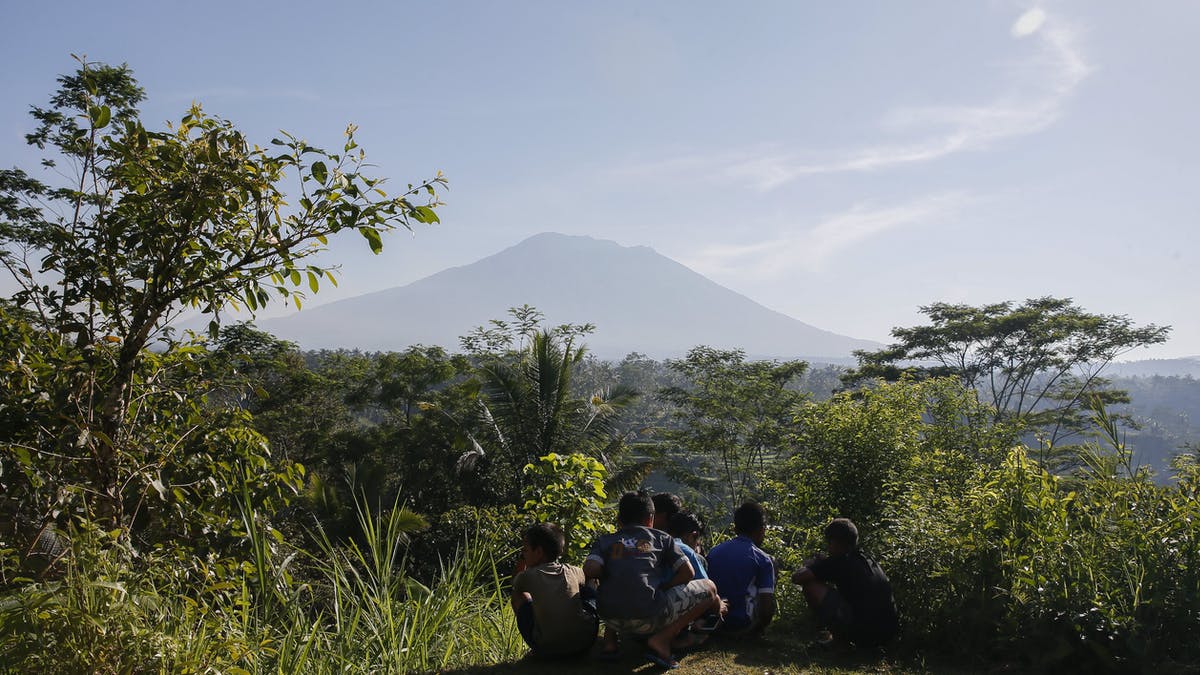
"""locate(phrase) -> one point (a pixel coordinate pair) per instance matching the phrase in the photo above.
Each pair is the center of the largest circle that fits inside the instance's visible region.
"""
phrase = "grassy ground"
(758, 659)
(786, 649)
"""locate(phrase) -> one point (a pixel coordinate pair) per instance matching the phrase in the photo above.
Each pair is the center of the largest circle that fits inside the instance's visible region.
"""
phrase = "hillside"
(1182, 367)
(639, 300)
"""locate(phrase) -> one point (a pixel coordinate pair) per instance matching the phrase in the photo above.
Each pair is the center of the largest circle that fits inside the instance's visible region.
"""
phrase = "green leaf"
(426, 214)
(22, 455)
(313, 283)
(100, 115)
(111, 585)
(372, 236)
(319, 172)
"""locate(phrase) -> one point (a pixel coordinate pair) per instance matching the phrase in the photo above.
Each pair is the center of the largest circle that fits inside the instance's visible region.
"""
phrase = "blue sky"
(843, 163)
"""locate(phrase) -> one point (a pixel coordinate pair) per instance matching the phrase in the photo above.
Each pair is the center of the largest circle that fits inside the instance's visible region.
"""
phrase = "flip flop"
(669, 663)
(687, 641)
(707, 623)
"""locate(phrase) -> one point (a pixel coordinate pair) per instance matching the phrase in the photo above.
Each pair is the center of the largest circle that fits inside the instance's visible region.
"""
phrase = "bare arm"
(519, 598)
(592, 569)
(764, 610)
(683, 574)
(803, 576)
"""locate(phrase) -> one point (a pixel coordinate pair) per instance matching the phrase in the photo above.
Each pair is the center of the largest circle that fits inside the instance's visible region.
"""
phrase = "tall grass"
(344, 609)
(374, 618)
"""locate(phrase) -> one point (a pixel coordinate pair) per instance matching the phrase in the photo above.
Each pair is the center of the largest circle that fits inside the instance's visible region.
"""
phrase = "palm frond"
(628, 477)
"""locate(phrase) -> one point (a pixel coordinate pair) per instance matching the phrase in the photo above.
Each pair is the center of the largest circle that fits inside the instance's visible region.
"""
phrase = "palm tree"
(527, 405)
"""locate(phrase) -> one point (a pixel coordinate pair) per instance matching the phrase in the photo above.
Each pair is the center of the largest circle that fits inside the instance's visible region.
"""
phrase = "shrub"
(568, 490)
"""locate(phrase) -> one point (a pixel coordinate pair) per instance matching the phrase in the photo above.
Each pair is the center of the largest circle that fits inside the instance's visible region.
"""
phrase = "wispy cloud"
(1033, 98)
(812, 248)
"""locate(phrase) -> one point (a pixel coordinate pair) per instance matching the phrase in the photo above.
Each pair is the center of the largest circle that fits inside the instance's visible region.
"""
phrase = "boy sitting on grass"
(548, 597)
(629, 564)
(687, 530)
(859, 607)
(744, 574)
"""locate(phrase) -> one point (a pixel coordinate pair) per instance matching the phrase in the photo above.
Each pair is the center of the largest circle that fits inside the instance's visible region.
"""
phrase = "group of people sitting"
(649, 581)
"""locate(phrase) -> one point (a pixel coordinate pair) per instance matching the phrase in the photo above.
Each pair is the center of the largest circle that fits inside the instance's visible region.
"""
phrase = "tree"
(527, 405)
(150, 223)
(734, 417)
(416, 397)
(1034, 363)
(856, 453)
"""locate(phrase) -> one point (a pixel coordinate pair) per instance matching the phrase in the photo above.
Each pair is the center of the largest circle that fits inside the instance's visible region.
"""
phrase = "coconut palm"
(527, 407)
(528, 404)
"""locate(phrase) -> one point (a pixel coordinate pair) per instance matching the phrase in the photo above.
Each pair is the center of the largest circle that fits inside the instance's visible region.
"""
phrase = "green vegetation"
(732, 419)
(1035, 363)
(991, 554)
(226, 503)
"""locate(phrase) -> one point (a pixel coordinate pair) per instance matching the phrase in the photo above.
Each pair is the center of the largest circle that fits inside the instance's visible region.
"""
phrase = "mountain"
(639, 300)
(1188, 366)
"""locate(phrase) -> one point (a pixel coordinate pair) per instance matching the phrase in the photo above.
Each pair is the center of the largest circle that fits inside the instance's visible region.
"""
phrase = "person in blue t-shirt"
(744, 574)
(687, 530)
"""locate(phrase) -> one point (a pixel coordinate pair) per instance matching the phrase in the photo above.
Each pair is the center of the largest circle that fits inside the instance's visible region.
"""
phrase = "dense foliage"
(231, 504)
(732, 420)
(992, 556)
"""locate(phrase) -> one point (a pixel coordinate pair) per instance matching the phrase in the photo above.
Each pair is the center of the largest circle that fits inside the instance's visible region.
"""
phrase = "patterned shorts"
(677, 601)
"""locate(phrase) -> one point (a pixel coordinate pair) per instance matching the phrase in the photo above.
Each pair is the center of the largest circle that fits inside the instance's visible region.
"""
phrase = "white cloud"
(814, 247)
(1033, 99)
(1029, 23)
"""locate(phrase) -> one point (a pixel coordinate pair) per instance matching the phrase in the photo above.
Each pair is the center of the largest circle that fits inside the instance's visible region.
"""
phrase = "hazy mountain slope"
(1183, 367)
(638, 299)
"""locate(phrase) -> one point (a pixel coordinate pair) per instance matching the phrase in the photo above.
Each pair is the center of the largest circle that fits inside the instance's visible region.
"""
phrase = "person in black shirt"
(850, 594)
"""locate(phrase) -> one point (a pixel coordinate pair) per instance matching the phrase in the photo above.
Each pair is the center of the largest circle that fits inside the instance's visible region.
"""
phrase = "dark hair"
(634, 508)
(684, 523)
(749, 518)
(546, 536)
(667, 504)
(842, 531)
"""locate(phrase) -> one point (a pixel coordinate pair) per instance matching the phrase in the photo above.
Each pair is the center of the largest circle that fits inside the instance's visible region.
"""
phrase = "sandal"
(669, 663)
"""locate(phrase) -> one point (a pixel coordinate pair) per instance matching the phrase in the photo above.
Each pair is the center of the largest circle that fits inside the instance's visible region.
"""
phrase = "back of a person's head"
(548, 537)
(684, 523)
(667, 504)
(842, 531)
(635, 508)
(749, 518)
